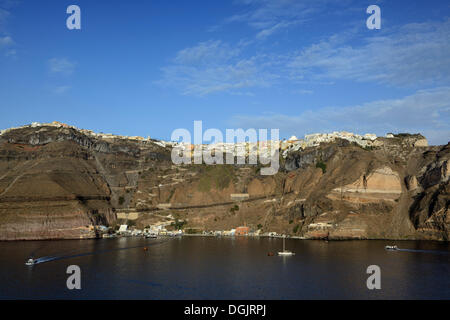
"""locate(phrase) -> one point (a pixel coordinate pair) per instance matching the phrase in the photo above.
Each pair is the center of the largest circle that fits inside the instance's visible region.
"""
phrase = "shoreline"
(235, 237)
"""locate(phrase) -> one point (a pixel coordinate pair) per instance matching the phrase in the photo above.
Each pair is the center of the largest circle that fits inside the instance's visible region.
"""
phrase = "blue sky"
(149, 67)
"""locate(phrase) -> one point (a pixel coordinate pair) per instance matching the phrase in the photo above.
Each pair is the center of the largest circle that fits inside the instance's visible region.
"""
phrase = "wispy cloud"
(303, 91)
(410, 55)
(426, 111)
(215, 66)
(7, 46)
(58, 90)
(61, 66)
(209, 52)
(11, 53)
(6, 41)
(8, 3)
(4, 14)
(268, 17)
(264, 33)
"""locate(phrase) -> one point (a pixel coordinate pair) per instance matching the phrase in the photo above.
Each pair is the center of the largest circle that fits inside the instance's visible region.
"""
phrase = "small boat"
(285, 252)
(151, 236)
(30, 262)
(391, 247)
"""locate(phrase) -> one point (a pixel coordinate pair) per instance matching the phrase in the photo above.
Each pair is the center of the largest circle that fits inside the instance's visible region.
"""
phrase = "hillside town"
(239, 148)
(88, 133)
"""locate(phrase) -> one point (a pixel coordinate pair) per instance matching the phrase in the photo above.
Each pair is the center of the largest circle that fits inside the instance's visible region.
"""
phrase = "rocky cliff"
(61, 182)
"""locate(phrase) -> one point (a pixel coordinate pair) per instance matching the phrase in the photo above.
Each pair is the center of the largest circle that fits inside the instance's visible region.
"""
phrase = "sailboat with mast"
(285, 252)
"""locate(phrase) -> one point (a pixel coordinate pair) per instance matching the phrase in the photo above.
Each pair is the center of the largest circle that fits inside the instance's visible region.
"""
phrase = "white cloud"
(206, 53)
(413, 55)
(204, 80)
(264, 14)
(410, 55)
(61, 66)
(61, 89)
(6, 41)
(426, 111)
(275, 28)
(304, 91)
(7, 47)
(215, 66)
(268, 17)
(9, 3)
(12, 53)
(3, 17)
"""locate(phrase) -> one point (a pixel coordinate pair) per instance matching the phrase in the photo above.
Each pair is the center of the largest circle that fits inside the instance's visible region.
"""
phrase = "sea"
(216, 268)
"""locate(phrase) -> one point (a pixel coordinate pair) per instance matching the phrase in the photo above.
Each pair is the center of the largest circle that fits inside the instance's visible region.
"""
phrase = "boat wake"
(43, 259)
(424, 251)
(63, 257)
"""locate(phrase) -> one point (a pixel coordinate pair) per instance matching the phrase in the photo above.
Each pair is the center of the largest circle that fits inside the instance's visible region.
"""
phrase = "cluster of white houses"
(90, 133)
(285, 146)
(236, 149)
(159, 230)
(313, 140)
(151, 231)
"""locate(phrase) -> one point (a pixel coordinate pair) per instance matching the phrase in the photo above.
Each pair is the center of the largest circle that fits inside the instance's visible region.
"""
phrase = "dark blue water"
(223, 268)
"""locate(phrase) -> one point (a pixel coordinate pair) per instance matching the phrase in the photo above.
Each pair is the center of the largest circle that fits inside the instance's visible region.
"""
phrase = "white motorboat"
(30, 262)
(391, 247)
(151, 236)
(285, 252)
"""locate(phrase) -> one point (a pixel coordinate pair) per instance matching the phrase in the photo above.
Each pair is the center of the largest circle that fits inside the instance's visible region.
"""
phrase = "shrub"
(322, 166)
(179, 224)
(170, 195)
(121, 200)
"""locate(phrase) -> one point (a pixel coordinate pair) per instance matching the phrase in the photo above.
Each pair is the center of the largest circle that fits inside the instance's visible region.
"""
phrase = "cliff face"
(430, 191)
(59, 182)
(54, 185)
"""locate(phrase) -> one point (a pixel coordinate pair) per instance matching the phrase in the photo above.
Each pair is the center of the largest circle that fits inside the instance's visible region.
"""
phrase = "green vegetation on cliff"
(322, 166)
(218, 177)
